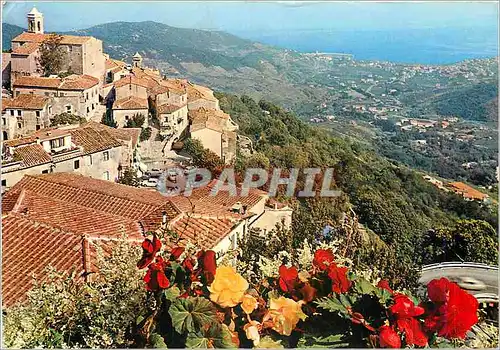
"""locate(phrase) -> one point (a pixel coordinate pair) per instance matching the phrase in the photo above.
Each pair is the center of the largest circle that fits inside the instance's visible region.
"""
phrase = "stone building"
(125, 109)
(25, 114)
(76, 94)
(86, 150)
(201, 97)
(82, 54)
(215, 130)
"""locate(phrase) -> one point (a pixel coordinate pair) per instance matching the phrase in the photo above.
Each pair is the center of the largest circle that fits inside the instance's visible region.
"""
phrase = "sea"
(422, 45)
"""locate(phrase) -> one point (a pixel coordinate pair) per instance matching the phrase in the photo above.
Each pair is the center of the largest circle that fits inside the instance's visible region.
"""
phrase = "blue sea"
(425, 46)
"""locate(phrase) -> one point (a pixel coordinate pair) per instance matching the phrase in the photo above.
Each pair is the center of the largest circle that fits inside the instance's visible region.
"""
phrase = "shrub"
(145, 134)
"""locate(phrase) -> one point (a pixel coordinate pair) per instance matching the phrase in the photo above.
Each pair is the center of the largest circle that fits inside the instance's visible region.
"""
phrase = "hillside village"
(59, 181)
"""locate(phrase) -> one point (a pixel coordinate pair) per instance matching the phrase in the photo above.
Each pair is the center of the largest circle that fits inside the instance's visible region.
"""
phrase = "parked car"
(151, 182)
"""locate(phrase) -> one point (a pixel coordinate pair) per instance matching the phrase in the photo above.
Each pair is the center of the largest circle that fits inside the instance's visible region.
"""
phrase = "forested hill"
(477, 102)
(392, 200)
(9, 31)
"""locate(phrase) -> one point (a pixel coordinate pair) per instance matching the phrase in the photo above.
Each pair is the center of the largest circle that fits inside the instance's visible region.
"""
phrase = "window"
(38, 113)
(105, 175)
(38, 127)
(46, 171)
(70, 48)
(19, 125)
(77, 164)
(4, 121)
(19, 113)
(56, 143)
(18, 93)
(61, 94)
(68, 109)
(11, 112)
(4, 183)
(88, 109)
(50, 109)
(87, 96)
(90, 160)
(47, 93)
(106, 155)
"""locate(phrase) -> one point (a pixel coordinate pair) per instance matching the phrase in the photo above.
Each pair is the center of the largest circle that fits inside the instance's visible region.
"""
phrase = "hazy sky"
(251, 16)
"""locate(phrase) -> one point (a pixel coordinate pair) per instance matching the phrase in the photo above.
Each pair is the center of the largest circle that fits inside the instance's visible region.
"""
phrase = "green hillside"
(9, 31)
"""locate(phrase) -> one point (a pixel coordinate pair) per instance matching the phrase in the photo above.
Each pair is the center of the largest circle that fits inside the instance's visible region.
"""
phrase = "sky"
(240, 17)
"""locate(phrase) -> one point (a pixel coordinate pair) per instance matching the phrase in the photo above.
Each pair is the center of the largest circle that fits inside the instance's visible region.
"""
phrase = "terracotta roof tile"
(204, 232)
(5, 60)
(124, 134)
(32, 155)
(133, 80)
(72, 82)
(168, 108)
(196, 92)
(106, 196)
(38, 38)
(75, 217)
(28, 101)
(6, 103)
(20, 141)
(43, 82)
(78, 82)
(28, 248)
(214, 119)
(93, 140)
(131, 102)
(26, 49)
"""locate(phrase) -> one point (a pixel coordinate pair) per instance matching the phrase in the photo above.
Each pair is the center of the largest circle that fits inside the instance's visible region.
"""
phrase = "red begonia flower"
(149, 250)
(323, 258)
(389, 338)
(412, 328)
(208, 264)
(383, 284)
(338, 275)
(155, 277)
(188, 264)
(176, 252)
(455, 310)
(404, 307)
(308, 293)
(288, 277)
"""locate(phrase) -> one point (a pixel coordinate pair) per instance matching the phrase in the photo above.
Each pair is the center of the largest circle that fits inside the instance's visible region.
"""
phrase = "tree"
(468, 240)
(145, 134)
(51, 55)
(107, 119)
(137, 121)
(203, 157)
(96, 314)
(66, 118)
(129, 177)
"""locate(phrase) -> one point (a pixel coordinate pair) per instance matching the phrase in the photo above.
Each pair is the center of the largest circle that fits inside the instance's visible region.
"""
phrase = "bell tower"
(35, 21)
(137, 60)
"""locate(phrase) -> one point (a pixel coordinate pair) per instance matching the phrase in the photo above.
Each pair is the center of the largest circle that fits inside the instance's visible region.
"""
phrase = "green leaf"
(172, 293)
(269, 343)
(331, 304)
(383, 295)
(329, 341)
(157, 341)
(344, 300)
(191, 314)
(362, 286)
(216, 336)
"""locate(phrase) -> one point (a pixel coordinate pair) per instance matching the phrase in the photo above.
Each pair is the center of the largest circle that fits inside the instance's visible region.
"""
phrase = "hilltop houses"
(92, 149)
(82, 54)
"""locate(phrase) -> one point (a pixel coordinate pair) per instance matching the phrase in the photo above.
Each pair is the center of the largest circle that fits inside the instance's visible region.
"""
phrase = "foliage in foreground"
(65, 312)
(316, 302)
(66, 118)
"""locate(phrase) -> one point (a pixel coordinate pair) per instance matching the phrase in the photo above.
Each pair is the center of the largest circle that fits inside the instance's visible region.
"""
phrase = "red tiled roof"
(133, 80)
(93, 140)
(72, 82)
(202, 118)
(102, 195)
(20, 141)
(75, 217)
(32, 155)
(196, 92)
(467, 191)
(168, 108)
(28, 101)
(43, 82)
(204, 232)
(131, 102)
(6, 103)
(78, 82)
(39, 38)
(28, 248)
(125, 134)
(26, 49)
